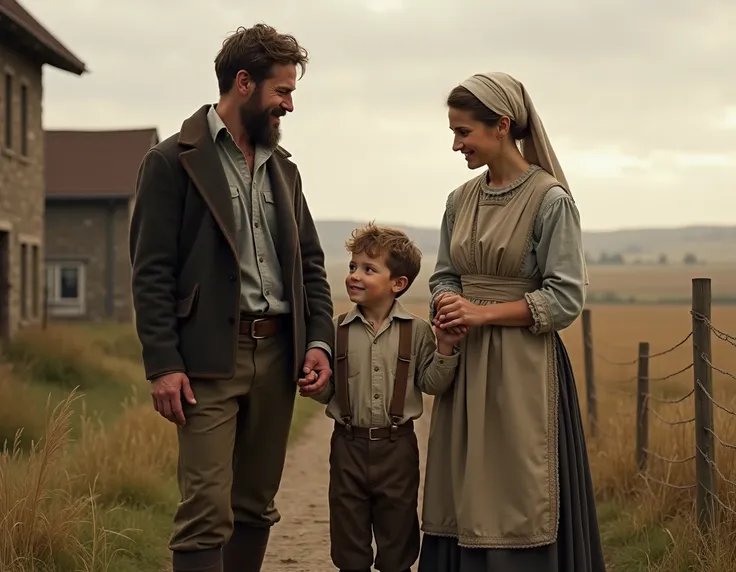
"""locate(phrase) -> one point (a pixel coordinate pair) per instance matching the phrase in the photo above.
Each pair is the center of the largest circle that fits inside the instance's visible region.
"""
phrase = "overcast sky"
(635, 95)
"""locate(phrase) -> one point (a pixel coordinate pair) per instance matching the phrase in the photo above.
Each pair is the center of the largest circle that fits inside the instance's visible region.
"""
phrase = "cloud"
(636, 98)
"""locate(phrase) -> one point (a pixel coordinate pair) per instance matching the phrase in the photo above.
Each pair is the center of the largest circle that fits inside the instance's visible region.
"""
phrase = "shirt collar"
(397, 311)
(215, 123)
(217, 126)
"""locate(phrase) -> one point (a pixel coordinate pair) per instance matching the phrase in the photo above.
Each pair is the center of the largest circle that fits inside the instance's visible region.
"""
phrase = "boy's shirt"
(372, 369)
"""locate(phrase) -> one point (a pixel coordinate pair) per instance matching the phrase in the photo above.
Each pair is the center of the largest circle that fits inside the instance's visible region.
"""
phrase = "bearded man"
(232, 301)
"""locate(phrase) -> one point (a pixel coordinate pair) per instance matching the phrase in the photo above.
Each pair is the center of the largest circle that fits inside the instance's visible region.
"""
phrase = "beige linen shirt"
(372, 357)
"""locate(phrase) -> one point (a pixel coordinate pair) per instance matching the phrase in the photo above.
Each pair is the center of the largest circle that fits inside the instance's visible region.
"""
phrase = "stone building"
(90, 189)
(25, 47)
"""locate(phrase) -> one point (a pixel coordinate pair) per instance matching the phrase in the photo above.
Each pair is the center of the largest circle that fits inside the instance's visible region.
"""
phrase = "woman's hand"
(455, 331)
(454, 311)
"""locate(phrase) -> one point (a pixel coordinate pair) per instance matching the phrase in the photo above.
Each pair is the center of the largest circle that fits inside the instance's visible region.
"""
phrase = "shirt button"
(376, 368)
(256, 225)
(376, 396)
(260, 259)
(375, 342)
(442, 362)
(268, 292)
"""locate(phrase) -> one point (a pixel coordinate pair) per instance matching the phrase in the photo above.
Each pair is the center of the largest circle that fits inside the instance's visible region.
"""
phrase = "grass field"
(71, 501)
(88, 483)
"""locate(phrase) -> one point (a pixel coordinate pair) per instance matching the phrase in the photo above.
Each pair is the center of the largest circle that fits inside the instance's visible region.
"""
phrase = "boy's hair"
(403, 258)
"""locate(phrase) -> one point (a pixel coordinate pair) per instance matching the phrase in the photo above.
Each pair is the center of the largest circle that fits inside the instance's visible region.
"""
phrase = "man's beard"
(257, 124)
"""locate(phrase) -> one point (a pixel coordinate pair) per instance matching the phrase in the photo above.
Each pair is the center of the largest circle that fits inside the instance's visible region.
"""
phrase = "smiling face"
(480, 134)
(479, 143)
(369, 282)
(261, 112)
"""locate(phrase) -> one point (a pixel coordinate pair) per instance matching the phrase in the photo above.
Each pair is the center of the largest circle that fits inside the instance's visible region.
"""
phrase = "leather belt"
(375, 433)
(260, 327)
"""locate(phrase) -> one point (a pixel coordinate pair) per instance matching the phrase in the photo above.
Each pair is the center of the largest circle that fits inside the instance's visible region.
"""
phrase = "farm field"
(610, 284)
(95, 514)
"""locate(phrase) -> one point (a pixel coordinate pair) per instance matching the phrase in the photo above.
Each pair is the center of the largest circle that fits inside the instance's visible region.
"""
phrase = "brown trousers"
(233, 446)
(374, 488)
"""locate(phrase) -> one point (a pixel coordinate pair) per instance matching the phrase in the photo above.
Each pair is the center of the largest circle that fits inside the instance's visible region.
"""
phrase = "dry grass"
(670, 282)
(17, 398)
(43, 520)
(664, 495)
(139, 439)
(87, 483)
(80, 506)
(57, 495)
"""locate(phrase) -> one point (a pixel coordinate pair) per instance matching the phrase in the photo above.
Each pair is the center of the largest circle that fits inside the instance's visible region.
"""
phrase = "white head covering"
(505, 95)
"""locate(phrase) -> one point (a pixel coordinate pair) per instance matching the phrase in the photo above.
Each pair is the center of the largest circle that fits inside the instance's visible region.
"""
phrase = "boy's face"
(369, 280)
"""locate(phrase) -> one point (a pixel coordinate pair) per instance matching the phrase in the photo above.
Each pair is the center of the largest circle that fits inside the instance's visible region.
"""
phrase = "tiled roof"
(95, 163)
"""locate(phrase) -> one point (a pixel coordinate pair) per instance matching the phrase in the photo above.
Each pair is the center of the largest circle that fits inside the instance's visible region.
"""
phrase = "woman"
(507, 484)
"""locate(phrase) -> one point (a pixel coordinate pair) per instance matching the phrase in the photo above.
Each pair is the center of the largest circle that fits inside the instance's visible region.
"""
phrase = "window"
(23, 281)
(34, 281)
(65, 283)
(9, 110)
(24, 120)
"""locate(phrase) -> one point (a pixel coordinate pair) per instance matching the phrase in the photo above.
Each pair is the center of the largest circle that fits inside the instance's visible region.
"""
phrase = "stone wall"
(22, 190)
(93, 232)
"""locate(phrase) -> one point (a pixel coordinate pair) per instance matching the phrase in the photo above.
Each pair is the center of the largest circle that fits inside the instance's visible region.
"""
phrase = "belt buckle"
(253, 329)
(370, 434)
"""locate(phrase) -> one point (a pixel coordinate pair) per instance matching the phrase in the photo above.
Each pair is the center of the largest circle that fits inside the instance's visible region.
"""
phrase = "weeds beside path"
(87, 475)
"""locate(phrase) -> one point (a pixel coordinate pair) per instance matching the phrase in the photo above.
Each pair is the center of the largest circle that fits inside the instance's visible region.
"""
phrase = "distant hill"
(707, 243)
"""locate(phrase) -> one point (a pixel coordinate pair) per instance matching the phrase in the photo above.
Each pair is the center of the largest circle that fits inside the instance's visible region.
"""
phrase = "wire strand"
(670, 401)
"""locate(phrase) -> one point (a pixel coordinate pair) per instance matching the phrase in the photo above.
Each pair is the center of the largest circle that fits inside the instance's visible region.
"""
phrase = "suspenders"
(396, 409)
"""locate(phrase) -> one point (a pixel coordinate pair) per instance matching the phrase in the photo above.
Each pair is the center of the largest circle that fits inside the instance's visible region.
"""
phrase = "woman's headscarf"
(505, 95)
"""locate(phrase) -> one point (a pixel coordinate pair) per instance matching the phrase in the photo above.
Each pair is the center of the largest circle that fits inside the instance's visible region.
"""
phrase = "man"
(232, 300)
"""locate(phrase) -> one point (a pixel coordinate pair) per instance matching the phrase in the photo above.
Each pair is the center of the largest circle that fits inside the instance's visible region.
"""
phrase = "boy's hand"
(305, 382)
(450, 337)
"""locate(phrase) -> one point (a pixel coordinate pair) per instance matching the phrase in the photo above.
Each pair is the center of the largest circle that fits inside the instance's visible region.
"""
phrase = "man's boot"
(197, 561)
(246, 549)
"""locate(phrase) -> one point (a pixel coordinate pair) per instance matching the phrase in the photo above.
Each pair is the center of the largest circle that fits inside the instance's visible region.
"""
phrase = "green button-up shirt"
(262, 289)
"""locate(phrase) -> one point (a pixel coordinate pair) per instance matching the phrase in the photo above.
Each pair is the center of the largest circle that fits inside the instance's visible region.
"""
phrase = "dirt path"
(301, 541)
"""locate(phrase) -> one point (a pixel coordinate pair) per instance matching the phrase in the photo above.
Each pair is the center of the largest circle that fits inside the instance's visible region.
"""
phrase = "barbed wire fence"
(707, 471)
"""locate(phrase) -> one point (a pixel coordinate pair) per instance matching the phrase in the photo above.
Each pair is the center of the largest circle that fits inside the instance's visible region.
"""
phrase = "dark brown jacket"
(186, 279)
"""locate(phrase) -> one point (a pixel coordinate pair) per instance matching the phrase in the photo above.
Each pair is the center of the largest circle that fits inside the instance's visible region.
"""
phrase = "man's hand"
(317, 373)
(166, 393)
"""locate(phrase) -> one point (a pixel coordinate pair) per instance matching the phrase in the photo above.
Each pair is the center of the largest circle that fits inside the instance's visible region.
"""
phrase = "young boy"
(385, 357)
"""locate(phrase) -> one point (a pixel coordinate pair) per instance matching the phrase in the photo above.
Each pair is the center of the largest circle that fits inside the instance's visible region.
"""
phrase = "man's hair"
(403, 258)
(256, 50)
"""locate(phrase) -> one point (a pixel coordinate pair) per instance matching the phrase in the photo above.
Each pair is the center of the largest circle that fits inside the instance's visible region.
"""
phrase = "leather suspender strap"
(341, 385)
(396, 409)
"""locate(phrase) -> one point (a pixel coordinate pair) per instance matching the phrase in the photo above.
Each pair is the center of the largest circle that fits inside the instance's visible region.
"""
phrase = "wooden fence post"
(592, 402)
(642, 407)
(703, 379)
